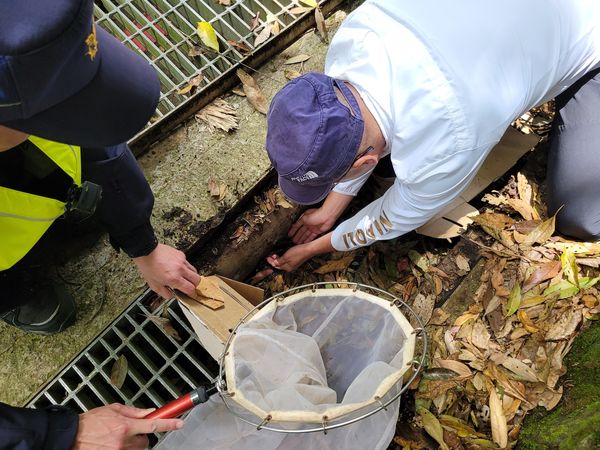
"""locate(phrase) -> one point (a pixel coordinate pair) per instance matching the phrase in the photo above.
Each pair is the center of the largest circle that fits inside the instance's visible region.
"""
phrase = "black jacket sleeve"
(53, 428)
(127, 200)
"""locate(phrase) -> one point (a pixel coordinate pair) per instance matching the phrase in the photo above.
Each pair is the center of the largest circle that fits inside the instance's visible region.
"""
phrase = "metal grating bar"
(164, 31)
(160, 368)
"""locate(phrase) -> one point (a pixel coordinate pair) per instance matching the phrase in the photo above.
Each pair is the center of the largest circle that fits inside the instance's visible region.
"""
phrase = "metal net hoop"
(296, 421)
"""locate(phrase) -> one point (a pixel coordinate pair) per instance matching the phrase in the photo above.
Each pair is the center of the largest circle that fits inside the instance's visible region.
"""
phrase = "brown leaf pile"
(532, 299)
(219, 115)
(502, 354)
(267, 203)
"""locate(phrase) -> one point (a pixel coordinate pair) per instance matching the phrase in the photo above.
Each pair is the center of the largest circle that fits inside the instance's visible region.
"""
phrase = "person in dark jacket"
(70, 97)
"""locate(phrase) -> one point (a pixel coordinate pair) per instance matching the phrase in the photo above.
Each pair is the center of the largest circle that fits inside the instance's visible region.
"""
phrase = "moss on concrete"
(575, 422)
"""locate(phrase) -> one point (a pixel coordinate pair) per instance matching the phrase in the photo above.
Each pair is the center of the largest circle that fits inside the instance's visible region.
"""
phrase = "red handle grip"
(173, 409)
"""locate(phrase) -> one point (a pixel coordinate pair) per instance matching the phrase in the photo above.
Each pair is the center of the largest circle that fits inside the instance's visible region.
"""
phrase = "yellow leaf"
(460, 426)
(532, 301)
(527, 323)
(207, 35)
(514, 299)
(433, 427)
(310, 3)
(569, 266)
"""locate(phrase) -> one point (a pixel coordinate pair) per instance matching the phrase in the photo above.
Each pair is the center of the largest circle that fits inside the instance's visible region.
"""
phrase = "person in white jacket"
(435, 85)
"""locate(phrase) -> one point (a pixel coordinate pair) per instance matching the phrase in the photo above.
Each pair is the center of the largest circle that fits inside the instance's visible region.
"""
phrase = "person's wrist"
(319, 245)
(335, 205)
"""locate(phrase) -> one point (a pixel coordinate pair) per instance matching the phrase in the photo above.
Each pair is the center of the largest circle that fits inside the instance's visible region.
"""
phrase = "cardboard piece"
(208, 292)
(213, 326)
(455, 219)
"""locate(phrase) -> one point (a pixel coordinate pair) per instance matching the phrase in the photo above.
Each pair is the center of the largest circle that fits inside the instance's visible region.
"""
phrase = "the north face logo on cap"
(310, 175)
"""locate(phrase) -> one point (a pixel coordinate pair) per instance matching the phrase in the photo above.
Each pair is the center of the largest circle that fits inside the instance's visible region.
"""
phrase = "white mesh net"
(322, 357)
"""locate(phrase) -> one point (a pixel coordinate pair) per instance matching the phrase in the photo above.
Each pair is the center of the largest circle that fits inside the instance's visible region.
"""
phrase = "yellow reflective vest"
(25, 217)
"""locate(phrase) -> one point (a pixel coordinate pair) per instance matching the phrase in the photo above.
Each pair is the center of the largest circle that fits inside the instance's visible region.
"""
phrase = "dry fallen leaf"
(461, 369)
(291, 74)
(526, 321)
(433, 427)
(498, 420)
(196, 50)
(299, 10)
(242, 46)
(519, 368)
(423, 306)
(192, 85)
(542, 232)
(263, 35)
(480, 336)
(297, 59)
(462, 263)
(225, 2)
(569, 266)
(280, 200)
(550, 398)
(493, 223)
(118, 373)
(216, 189)
(255, 21)
(565, 326)
(543, 272)
(253, 92)
(219, 115)
(497, 280)
(164, 323)
(321, 25)
(335, 265)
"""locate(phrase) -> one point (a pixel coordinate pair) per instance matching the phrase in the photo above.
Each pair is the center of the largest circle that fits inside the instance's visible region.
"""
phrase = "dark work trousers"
(573, 176)
(124, 211)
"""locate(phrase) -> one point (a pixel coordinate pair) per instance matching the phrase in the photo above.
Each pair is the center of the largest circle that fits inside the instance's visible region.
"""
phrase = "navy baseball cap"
(312, 137)
(65, 79)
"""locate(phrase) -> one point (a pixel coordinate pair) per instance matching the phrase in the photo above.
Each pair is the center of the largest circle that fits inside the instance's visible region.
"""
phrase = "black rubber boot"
(51, 311)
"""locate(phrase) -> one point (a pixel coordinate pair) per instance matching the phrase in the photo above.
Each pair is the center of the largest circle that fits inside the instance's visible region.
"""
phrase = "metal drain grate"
(164, 32)
(160, 368)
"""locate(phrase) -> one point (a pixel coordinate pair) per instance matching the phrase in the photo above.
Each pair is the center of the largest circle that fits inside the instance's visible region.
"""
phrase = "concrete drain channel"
(162, 367)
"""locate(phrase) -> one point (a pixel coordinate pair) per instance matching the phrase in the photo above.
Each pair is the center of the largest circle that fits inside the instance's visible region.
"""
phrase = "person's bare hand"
(311, 224)
(118, 426)
(292, 259)
(317, 221)
(167, 267)
(298, 254)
